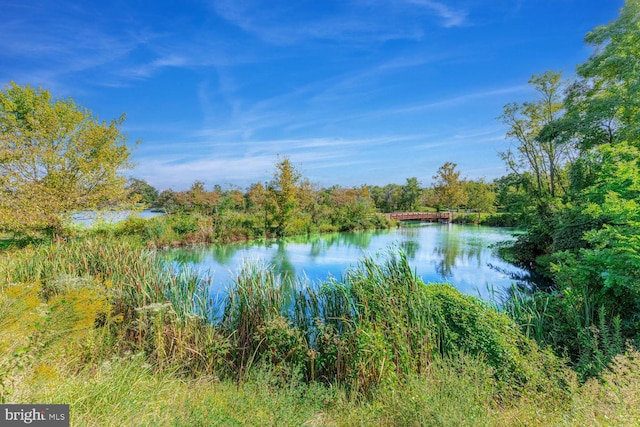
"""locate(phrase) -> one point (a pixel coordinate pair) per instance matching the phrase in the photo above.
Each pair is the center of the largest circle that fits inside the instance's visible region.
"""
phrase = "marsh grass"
(254, 319)
(378, 324)
(103, 325)
(570, 322)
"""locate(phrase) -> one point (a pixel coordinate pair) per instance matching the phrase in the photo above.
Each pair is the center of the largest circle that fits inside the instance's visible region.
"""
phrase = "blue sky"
(352, 91)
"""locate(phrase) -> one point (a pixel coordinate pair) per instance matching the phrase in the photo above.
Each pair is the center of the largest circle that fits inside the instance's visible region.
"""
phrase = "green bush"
(157, 228)
(131, 226)
(183, 224)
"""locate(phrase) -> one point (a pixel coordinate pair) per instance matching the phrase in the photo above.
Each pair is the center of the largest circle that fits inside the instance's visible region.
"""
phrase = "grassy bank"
(451, 393)
(102, 325)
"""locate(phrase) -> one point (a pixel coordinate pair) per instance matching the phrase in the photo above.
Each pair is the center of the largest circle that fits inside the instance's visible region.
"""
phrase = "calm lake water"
(457, 254)
(89, 218)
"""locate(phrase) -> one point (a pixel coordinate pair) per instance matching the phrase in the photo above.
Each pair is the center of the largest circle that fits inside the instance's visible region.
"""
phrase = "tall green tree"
(55, 158)
(142, 191)
(411, 193)
(481, 196)
(595, 231)
(449, 187)
(603, 116)
(538, 158)
(537, 151)
(387, 198)
(513, 200)
(282, 192)
(603, 105)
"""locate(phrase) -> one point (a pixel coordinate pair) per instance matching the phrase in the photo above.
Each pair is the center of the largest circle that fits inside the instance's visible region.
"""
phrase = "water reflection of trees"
(525, 279)
(410, 232)
(475, 246)
(451, 249)
(321, 244)
(282, 265)
(410, 248)
(444, 248)
(184, 256)
(223, 254)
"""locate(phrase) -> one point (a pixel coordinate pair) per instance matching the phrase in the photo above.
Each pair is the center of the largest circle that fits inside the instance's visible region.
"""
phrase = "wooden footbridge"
(442, 217)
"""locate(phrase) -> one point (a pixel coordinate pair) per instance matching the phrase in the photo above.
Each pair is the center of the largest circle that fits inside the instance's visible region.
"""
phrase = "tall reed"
(160, 311)
(376, 325)
(381, 323)
(256, 322)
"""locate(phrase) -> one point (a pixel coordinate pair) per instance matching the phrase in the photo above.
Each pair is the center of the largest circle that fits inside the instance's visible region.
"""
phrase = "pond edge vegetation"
(75, 308)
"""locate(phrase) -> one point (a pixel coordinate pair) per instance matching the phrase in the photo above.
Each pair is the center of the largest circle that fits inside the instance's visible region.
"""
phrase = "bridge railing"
(420, 216)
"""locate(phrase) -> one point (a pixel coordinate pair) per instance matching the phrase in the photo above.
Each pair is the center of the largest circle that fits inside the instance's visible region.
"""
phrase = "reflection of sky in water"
(88, 218)
(460, 255)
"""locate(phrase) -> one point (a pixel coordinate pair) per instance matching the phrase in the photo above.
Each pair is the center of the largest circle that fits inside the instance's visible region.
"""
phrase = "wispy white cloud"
(329, 100)
(446, 102)
(145, 70)
(273, 115)
(239, 168)
(365, 20)
(75, 40)
(166, 174)
(248, 162)
(451, 17)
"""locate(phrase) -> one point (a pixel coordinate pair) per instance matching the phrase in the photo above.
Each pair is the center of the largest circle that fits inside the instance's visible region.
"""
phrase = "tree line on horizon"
(449, 191)
(289, 203)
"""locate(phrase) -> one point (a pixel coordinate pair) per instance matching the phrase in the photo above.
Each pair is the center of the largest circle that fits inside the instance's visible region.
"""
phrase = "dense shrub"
(184, 224)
